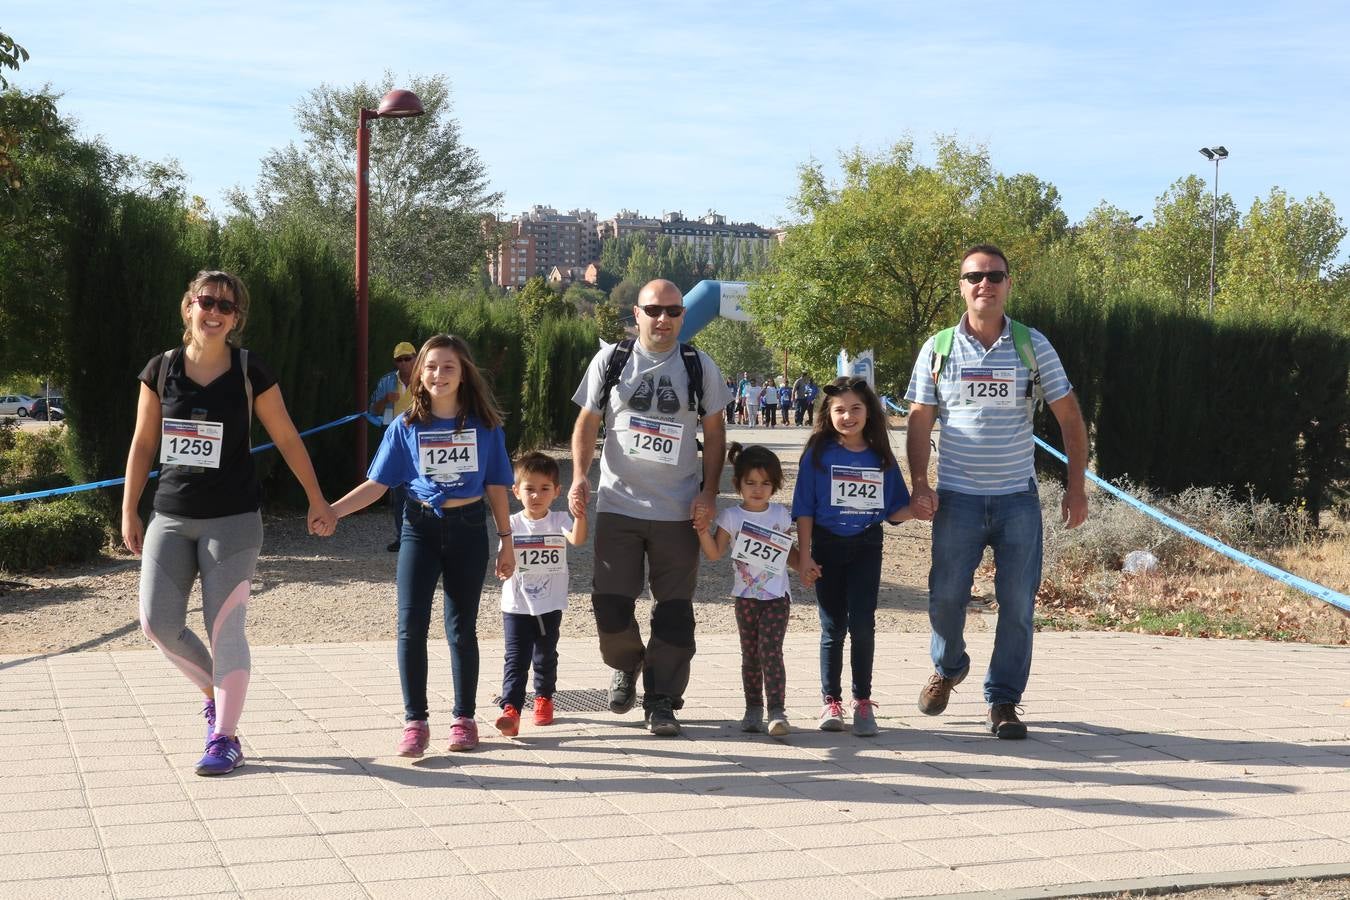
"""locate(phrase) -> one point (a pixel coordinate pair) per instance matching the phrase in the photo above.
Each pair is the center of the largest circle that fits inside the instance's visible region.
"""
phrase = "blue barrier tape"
(112, 482)
(1312, 588)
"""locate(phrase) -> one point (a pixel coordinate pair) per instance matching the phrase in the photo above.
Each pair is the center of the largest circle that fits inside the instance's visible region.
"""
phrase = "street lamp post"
(1217, 154)
(397, 104)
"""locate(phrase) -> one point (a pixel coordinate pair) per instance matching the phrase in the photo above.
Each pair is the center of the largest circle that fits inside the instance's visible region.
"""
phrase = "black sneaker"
(393, 548)
(661, 718)
(666, 399)
(623, 691)
(642, 396)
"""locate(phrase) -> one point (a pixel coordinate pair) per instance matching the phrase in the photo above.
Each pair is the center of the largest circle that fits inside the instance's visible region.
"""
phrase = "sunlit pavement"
(1151, 761)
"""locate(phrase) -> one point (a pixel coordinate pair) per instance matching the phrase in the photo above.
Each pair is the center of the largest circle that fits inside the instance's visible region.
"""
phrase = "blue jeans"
(455, 549)
(846, 593)
(964, 525)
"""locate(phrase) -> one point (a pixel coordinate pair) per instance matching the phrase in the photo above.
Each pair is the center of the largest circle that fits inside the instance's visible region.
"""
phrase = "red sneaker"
(508, 723)
(543, 710)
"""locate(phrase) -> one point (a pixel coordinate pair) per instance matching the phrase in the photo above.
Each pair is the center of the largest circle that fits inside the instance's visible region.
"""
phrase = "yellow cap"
(403, 348)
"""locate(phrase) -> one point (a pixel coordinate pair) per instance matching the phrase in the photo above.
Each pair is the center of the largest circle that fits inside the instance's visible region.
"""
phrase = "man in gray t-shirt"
(653, 487)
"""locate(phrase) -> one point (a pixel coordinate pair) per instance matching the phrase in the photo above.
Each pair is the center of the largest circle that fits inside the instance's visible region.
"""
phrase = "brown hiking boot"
(933, 698)
(1004, 723)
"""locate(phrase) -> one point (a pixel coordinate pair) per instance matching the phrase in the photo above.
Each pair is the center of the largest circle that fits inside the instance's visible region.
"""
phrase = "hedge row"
(1177, 399)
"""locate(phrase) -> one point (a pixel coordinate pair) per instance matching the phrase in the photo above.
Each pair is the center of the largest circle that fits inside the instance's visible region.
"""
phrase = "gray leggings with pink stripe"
(224, 552)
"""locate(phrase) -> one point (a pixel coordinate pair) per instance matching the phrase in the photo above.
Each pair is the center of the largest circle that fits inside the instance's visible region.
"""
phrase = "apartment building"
(739, 239)
(540, 240)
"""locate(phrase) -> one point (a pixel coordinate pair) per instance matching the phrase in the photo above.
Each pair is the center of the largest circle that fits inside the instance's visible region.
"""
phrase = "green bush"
(33, 454)
(48, 534)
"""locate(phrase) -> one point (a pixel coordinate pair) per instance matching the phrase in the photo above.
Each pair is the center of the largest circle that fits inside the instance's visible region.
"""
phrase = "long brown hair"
(474, 396)
(238, 293)
(875, 432)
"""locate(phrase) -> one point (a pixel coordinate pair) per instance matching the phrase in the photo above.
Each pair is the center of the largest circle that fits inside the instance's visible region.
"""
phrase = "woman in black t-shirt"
(196, 405)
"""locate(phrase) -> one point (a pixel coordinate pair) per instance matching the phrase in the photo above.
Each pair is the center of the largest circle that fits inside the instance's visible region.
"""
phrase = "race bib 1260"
(540, 554)
(762, 548)
(651, 439)
(447, 454)
(988, 388)
(855, 488)
(184, 442)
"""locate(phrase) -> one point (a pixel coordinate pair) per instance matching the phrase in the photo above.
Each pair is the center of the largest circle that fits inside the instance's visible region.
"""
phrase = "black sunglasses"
(977, 277)
(834, 390)
(654, 310)
(209, 303)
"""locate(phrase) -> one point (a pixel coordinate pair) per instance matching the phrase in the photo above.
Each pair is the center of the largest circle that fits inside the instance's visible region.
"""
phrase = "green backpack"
(1021, 335)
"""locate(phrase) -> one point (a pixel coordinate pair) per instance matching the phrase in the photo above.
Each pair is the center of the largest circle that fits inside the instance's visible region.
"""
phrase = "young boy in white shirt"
(533, 599)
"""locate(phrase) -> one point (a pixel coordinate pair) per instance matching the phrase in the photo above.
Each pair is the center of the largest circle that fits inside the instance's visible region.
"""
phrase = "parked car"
(47, 409)
(15, 405)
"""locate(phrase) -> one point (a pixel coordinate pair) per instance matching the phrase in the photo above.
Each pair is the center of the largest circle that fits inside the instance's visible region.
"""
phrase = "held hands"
(703, 510)
(923, 502)
(506, 558)
(810, 571)
(321, 519)
(578, 497)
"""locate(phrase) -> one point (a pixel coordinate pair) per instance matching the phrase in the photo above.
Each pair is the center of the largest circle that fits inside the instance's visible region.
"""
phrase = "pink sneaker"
(416, 736)
(463, 733)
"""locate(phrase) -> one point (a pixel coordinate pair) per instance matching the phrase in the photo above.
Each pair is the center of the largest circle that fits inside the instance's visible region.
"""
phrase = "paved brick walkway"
(1151, 761)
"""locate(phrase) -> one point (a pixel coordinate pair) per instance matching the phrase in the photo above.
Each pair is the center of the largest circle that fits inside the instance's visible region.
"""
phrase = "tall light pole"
(397, 104)
(1218, 154)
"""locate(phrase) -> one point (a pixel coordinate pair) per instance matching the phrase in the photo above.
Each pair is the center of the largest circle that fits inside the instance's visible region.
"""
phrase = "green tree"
(624, 296)
(1105, 244)
(12, 56)
(1174, 251)
(736, 347)
(428, 189)
(583, 299)
(537, 301)
(1280, 255)
(608, 322)
(643, 265)
(872, 261)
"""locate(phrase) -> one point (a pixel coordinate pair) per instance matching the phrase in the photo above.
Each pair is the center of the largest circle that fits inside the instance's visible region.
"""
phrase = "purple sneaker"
(209, 714)
(223, 755)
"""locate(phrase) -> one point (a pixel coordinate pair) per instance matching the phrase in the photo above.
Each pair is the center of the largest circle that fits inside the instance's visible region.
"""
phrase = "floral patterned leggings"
(762, 624)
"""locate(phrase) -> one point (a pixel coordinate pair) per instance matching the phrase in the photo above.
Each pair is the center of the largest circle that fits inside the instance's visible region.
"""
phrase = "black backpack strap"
(693, 367)
(614, 366)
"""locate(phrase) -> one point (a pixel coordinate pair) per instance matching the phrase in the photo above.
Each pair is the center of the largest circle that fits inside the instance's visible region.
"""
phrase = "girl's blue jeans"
(453, 548)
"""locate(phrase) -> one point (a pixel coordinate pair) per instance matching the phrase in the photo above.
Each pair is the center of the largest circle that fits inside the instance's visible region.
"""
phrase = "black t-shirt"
(197, 492)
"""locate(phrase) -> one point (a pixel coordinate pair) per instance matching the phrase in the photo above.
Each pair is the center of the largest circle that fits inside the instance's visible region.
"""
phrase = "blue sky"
(690, 106)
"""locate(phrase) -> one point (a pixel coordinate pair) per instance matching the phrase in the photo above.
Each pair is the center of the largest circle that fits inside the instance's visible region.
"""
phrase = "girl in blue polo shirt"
(450, 451)
(847, 483)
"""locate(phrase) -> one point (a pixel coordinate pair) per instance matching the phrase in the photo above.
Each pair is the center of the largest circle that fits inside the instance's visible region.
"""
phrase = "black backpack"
(618, 358)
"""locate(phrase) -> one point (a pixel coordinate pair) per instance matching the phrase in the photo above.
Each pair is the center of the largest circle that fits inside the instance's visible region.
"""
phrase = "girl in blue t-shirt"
(847, 483)
(450, 451)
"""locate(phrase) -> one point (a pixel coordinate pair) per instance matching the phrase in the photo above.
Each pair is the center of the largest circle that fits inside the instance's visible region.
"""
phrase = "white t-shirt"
(745, 581)
(533, 595)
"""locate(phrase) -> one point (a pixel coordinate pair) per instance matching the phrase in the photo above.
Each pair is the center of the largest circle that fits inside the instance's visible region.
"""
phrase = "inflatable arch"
(709, 299)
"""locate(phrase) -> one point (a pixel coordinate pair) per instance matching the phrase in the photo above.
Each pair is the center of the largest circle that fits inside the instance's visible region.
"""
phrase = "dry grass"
(1195, 592)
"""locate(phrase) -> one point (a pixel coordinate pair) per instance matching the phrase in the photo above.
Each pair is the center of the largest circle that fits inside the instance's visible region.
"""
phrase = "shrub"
(48, 534)
(30, 455)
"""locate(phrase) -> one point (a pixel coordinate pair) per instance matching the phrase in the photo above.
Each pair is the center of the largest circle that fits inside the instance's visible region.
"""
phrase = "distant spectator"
(389, 399)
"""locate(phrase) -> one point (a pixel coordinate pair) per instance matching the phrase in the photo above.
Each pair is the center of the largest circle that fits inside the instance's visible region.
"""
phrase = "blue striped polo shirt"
(985, 451)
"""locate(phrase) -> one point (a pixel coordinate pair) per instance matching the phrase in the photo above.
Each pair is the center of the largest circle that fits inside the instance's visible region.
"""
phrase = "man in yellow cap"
(390, 399)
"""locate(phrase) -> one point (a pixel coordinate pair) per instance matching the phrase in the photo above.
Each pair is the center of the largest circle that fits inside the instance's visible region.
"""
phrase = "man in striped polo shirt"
(986, 494)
